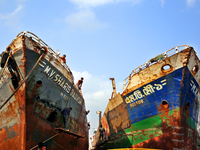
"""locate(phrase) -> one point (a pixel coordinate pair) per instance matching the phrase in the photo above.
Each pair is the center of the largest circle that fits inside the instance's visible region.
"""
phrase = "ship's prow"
(35, 87)
(159, 105)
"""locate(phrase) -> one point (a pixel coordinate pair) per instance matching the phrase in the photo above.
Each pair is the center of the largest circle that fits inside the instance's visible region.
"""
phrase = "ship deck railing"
(167, 53)
(43, 44)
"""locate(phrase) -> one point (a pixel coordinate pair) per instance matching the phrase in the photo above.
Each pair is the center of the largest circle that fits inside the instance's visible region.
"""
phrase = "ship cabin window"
(39, 83)
(166, 67)
(165, 104)
(195, 69)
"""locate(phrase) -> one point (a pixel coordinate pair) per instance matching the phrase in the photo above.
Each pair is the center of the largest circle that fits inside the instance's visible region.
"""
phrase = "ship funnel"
(113, 84)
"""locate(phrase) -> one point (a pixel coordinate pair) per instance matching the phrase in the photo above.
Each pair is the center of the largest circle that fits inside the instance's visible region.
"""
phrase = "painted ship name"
(61, 82)
(136, 97)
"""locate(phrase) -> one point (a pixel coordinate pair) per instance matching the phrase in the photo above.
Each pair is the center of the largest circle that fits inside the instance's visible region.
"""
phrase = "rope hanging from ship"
(45, 141)
(22, 81)
(59, 131)
(44, 46)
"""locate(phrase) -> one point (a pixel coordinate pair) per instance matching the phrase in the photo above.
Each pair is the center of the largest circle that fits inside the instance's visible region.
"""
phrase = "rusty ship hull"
(32, 102)
(159, 106)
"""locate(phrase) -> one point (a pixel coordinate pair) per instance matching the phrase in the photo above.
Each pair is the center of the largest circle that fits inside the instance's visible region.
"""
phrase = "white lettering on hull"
(53, 75)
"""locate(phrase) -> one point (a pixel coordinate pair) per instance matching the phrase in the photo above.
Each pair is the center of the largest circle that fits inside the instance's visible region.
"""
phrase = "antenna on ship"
(113, 84)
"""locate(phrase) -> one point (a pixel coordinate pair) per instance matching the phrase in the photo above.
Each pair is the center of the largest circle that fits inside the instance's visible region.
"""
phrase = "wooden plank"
(69, 132)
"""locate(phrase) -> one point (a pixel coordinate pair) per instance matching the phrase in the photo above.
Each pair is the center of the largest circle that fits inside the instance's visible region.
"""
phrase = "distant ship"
(159, 106)
(34, 89)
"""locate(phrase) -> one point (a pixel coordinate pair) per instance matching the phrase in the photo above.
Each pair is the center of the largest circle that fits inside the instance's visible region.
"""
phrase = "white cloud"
(93, 3)
(12, 19)
(190, 2)
(93, 85)
(12, 14)
(20, 1)
(96, 91)
(162, 2)
(84, 19)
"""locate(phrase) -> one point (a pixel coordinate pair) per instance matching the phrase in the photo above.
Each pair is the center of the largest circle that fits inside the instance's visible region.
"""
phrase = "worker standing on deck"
(79, 83)
(65, 115)
(87, 112)
(62, 59)
(88, 125)
(101, 130)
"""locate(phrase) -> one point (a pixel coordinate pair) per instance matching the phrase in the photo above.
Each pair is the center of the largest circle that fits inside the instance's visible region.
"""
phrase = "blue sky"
(103, 38)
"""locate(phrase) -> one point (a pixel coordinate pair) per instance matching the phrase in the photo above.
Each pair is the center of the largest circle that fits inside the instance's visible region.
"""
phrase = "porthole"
(166, 67)
(39, 83)
(187, 106)
(165, 104)
(195, 69)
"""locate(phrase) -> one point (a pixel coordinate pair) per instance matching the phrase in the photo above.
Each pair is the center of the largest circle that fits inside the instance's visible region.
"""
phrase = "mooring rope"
(22, 82)
(45, 141)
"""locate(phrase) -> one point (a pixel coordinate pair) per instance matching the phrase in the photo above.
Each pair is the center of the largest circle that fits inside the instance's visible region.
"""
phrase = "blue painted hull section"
(171, 88)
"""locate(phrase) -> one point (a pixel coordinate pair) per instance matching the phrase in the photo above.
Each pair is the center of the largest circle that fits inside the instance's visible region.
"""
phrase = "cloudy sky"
(103, 38)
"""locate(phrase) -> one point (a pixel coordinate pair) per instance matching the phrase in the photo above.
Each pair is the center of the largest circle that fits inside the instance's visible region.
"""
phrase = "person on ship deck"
(63, 58)
(87, 112)
(79, 83)
(88, 125)
(101, 131)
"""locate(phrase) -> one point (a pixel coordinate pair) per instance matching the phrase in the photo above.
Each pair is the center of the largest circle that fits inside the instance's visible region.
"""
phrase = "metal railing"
(43, 44)
(167, 53)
